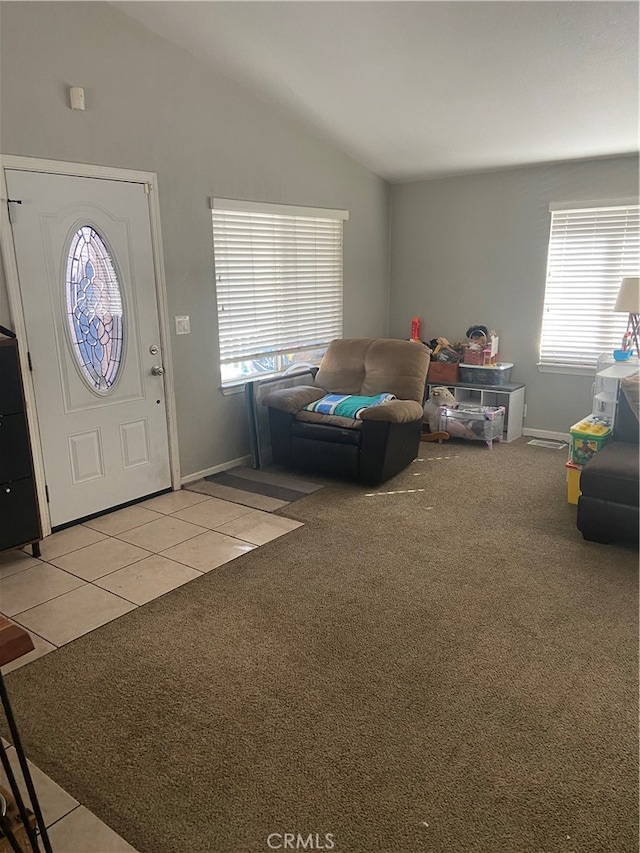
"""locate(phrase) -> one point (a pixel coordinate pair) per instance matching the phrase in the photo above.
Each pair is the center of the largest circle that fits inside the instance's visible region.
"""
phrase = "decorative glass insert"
(94, 309)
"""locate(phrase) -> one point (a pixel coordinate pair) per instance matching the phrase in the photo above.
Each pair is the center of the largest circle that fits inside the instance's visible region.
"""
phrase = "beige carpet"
(446, 667)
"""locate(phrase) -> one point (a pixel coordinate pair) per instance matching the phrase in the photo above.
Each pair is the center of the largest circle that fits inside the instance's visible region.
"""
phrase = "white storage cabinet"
(605, 390)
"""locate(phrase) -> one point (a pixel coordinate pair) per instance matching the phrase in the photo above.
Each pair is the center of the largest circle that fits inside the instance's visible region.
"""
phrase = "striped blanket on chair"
(346, 405)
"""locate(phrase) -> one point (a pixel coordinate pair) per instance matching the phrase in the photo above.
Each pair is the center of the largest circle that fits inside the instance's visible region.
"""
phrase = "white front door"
(87, 281)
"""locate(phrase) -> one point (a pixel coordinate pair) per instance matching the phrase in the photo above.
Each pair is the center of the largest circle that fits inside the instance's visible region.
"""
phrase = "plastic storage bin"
(587, 437)
(486, 374)
(474, 423)
(573, 482)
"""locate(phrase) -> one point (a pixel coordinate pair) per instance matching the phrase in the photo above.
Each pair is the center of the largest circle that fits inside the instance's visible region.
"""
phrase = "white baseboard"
(546, 433)
(233, 463)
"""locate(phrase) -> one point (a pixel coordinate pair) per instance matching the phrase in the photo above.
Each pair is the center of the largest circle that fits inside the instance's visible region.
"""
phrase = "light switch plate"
(183, 325)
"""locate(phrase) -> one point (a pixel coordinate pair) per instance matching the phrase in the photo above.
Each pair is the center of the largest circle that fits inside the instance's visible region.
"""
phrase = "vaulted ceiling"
(422, 89)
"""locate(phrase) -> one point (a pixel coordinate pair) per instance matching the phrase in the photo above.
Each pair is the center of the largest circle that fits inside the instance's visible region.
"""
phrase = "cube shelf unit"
(510, 395)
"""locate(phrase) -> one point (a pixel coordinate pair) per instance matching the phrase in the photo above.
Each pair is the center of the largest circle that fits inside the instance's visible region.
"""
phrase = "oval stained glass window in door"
(94, 309)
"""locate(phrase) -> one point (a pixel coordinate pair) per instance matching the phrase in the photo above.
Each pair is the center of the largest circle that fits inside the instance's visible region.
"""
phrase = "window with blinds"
(591, 249)
(278, 276)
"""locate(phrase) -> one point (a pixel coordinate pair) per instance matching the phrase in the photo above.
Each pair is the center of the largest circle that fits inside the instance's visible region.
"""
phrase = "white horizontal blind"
(278, 282)
(590, 251)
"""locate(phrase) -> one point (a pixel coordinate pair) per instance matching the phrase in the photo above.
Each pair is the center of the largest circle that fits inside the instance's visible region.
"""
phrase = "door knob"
(157, 370)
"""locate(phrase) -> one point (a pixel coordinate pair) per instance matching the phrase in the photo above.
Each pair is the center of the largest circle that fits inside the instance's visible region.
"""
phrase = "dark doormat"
(263, 489)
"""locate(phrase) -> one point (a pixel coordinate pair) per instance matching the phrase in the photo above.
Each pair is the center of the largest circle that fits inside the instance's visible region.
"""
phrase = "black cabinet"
(19, 517)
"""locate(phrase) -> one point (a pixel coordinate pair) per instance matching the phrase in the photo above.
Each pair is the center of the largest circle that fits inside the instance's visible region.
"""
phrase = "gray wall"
(152, 106)
(473, 249)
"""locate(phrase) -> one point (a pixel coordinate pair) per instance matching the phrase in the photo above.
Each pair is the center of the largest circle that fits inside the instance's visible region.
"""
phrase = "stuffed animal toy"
(435, 344)
(440, 396)
(477, 336)
(462, 429)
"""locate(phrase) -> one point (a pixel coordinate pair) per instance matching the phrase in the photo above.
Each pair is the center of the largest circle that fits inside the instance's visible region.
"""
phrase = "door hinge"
(29, 361)
(11, 201)
(46, 491)
(147, 188)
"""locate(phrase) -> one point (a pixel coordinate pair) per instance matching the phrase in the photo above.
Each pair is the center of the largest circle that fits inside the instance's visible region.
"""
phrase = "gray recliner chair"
(370, 448)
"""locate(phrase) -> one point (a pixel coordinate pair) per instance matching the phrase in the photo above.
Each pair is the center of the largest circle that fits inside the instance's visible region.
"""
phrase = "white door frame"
(84, 170)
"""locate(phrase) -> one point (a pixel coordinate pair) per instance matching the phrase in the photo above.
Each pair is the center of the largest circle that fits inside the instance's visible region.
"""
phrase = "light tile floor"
(92, 573)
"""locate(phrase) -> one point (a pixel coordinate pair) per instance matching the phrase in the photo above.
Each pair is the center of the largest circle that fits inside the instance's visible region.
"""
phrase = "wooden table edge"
(14, 641)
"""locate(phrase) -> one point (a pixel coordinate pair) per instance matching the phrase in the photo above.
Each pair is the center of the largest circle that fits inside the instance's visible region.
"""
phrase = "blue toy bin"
(622, 354)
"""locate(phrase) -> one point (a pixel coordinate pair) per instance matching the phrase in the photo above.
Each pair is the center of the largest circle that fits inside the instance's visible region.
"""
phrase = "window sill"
(234, 388)
(237, 387)
(568, 369)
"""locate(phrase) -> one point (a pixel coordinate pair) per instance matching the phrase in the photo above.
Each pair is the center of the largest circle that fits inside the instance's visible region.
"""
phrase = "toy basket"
(473, 423)
(473, 356)
(444, 372)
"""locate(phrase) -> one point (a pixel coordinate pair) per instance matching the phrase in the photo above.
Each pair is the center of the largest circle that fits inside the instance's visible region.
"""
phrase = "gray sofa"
(608, 507)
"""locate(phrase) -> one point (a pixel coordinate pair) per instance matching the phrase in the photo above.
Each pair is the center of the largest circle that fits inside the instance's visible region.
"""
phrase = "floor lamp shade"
(628, 301)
